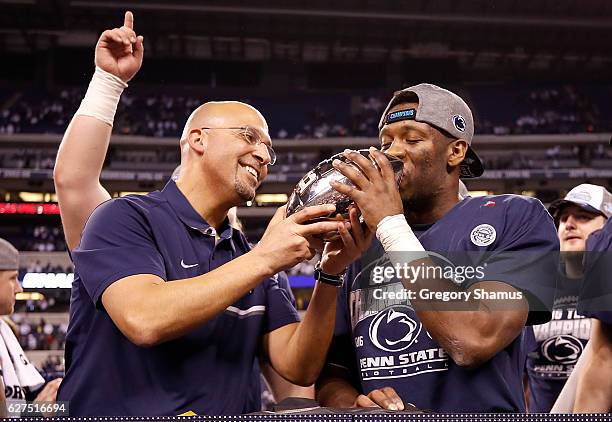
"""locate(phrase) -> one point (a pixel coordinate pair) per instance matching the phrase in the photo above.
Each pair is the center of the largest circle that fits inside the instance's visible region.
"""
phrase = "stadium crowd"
(563, 109)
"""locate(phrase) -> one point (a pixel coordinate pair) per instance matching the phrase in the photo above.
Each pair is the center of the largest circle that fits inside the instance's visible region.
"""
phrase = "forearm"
(594, 391)
(77, 174)
(83, 148)
(81, 153)
(305, 353)
(471, 330)
(168, 310)
(595, 387)
(567, 398)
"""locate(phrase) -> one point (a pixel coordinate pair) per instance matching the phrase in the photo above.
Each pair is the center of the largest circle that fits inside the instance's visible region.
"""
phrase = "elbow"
(143, 339)
(140, 332)
(469, 356)
(59, 176)
(302, 377)
(64, 180)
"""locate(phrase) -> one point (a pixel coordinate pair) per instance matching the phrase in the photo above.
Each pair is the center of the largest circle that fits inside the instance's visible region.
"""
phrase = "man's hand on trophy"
(376, 190)
(350, 245)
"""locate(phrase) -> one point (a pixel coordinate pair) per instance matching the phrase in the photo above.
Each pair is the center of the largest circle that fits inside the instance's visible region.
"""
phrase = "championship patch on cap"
(459, 122)
(399, 115)
(583, 196)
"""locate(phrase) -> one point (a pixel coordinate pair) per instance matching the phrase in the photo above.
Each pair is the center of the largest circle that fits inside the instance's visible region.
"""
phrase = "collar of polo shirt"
(191, 218)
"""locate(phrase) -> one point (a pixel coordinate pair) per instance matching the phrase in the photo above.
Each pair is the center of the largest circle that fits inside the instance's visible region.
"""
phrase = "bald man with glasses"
(170, 305)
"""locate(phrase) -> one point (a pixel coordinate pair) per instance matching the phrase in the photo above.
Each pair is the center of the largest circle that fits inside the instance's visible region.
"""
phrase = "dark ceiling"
(537, 34)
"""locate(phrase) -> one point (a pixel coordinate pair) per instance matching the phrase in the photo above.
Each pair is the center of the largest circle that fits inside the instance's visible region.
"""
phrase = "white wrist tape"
(395, 235)
(102, 96)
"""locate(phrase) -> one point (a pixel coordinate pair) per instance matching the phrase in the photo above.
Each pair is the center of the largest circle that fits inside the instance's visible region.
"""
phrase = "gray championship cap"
(443, 110)
(592, 198)
(9, 256)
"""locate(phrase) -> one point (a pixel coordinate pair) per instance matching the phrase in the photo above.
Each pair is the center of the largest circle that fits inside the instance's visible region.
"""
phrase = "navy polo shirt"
(209, 370)
(382, 343)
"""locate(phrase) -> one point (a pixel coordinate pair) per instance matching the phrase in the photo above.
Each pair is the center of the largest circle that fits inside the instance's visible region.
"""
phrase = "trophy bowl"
(314, 188)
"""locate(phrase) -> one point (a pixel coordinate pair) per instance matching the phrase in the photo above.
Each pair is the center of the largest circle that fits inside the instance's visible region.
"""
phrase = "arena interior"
(537, 75)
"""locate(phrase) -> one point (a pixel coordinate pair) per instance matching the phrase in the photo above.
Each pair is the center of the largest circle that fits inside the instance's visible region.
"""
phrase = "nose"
(396, 150)
(18, 288)
(262, 155)
(568, 225)
(570, 222)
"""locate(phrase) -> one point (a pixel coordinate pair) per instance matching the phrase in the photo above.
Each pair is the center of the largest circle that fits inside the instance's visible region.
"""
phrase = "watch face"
(314, 188)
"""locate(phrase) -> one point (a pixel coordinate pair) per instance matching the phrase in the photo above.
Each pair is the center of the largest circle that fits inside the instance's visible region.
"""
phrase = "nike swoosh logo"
(188, 266)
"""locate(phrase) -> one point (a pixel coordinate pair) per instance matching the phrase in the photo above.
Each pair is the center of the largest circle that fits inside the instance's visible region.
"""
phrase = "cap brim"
(556, 206)
(471, 166)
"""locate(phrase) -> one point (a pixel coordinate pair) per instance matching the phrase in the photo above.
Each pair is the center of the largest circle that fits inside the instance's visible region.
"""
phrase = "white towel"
(17, 371)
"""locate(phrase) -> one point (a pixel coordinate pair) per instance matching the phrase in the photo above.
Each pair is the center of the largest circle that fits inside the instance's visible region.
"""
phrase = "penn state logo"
(459, 122)
(483, 235)
(564, 349)
(392, 330)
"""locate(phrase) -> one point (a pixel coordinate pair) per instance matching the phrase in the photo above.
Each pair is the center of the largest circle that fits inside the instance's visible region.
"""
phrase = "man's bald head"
(216, 156)
(224, 114)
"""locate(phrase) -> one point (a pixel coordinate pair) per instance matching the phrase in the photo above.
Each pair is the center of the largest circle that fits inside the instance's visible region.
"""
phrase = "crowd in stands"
(551, 110)
(53, 367)
(36, 238)
(42, 238)
(40, 335)
(563, 109)
(28, 158)
(39, 267)
(295, 163)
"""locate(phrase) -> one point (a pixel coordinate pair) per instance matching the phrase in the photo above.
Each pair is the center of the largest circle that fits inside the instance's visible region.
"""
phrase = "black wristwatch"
(333, 280)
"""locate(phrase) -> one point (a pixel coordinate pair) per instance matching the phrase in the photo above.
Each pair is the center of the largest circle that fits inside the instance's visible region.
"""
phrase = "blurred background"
(537, 75)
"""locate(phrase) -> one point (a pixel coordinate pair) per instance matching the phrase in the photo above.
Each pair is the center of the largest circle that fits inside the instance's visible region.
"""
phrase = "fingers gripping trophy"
(317, 187)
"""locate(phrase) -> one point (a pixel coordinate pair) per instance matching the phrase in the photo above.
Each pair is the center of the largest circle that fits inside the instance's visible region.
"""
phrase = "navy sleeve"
(526, 255)
(341, 354)
(117, 242)
(283, 283)
(280, 310)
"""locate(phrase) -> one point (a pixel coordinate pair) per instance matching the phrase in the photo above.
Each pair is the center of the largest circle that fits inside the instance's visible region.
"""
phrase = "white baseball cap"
(592, 198)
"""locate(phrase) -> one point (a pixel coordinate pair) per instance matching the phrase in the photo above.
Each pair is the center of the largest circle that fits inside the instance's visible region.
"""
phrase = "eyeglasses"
(253, 137)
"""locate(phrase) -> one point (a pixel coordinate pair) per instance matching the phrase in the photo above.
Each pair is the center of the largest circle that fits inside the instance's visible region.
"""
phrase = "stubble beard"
(246, 193)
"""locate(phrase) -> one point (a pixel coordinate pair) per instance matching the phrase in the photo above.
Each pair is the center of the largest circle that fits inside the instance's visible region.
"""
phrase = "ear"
(456, 152)
(197, 140)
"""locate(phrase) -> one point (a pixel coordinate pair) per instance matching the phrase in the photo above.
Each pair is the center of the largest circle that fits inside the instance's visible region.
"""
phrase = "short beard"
(244, 192)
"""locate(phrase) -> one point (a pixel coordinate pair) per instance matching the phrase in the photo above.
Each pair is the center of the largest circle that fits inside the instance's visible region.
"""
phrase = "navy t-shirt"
(559, 344)
(382, 342)
(209, 370)
(596, 293)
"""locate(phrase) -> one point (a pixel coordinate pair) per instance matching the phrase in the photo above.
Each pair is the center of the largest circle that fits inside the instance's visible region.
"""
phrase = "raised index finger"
(129, 20)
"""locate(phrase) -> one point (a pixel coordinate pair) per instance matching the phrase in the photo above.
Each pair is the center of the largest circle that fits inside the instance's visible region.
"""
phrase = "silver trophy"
(314, 188)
